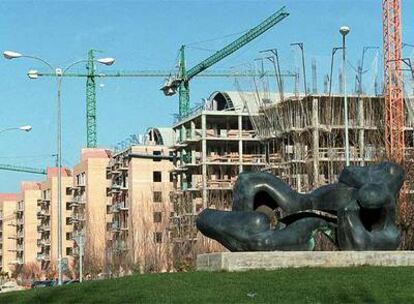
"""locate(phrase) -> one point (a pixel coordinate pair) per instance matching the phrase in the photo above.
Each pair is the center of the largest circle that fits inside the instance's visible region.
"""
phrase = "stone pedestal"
(268, 260)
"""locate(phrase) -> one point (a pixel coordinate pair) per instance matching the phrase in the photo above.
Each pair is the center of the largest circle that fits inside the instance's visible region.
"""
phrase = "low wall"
(242, 261)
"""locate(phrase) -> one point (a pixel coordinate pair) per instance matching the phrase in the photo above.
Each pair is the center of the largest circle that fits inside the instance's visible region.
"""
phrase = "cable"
(217, 38)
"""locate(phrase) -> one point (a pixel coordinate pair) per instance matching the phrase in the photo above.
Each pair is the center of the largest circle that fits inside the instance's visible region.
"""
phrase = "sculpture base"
(269, 260)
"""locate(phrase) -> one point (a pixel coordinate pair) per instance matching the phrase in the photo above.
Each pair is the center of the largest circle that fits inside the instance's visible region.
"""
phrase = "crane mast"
(91, 137)
(393, 91)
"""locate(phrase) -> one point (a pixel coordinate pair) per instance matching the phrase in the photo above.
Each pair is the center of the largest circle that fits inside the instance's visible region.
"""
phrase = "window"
(68, 206)
(109, 226)
(68, 191)
(156, 176)
(157, 237)
(108, 209)
(68, 222)
(68, 250)
(157, 196)
(157, 217)
(68, 236)
(157, 155)
(171, 177)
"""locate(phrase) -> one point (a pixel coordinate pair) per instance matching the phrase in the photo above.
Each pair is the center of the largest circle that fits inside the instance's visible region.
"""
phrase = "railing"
(115, 226)
(45, 242)
(18, 261)
(221, 183)
(43, 256)
(20, 221)
(43, 227)
(43, 213)
(120, 246)
(77, 217)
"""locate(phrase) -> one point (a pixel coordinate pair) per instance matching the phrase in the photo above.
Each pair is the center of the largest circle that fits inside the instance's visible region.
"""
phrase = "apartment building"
(26, 224)
(140, 191)
(48, 219)
(214, 144)
(89, 206)
(8, 204)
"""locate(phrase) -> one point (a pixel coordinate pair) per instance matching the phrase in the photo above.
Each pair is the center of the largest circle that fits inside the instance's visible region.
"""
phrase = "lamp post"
(22, 128)
(344, 30)
(300, 45)
(59, 72)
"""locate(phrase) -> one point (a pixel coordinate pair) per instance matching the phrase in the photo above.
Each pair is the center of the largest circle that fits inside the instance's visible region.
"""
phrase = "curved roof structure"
(159, 136)
(240, 101)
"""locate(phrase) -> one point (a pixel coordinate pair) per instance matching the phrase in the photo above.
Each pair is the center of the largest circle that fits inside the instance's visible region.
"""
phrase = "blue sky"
(145, 35)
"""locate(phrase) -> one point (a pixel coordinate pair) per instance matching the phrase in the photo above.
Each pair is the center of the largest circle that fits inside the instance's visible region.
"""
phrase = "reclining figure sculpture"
(356, 213)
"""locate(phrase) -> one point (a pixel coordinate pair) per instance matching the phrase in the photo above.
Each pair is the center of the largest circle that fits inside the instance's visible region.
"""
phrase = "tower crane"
(181, 81)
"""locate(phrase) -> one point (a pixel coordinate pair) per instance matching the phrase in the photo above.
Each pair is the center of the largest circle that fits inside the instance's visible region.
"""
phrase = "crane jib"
(238, 43)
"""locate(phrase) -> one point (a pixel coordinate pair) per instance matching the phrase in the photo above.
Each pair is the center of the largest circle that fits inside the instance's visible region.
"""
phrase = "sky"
(146, 35)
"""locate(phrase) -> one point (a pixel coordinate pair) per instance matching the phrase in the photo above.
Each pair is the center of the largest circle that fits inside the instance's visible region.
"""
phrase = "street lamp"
(300, 45)
(344, 30)
(22, 128)
(59, 73)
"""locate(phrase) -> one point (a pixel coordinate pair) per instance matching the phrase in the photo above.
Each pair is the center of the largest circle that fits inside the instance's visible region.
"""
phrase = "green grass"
(305, 285)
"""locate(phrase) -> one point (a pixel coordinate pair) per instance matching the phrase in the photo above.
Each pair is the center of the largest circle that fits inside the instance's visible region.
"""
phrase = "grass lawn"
(304, 285)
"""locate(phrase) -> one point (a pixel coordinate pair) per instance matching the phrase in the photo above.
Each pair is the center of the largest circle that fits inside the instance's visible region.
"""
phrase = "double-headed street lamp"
(22, 128)
(59, 73)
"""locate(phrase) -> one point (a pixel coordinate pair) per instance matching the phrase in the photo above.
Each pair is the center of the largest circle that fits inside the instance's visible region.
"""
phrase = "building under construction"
(304, 136)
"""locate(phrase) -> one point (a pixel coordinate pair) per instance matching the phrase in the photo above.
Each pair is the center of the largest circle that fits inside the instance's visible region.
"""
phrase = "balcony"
(43, 213)
(43, 227)
(20, 222)
(20, 207)
(115, 227)
(19, 248)
(44, 243)
(123, 206)
(75, 251)
(124, 228)
(43, 257)
(75, 218)
(120, 246)
(20, 234)
(115, 208)
(77, 201)
(119, 206)
(17, 261)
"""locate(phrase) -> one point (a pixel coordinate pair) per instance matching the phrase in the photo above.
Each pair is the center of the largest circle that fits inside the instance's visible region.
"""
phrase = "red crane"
(393, 87)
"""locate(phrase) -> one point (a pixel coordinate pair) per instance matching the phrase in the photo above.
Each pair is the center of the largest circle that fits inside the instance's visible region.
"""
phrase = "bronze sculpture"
(356, 213)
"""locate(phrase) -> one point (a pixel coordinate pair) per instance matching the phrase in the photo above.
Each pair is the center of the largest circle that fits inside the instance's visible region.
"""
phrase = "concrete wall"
(8, 203)
(30, 194)
(145, 249)
(93, 164)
